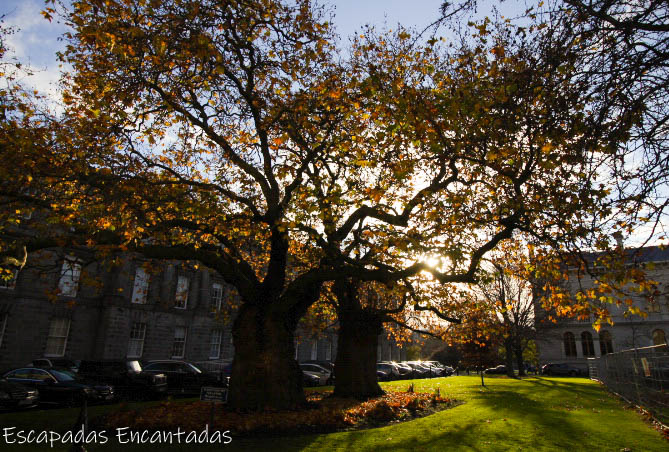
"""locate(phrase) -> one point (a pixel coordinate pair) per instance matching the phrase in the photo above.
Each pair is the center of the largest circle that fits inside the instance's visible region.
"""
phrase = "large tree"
(231, 133)
(475, 143)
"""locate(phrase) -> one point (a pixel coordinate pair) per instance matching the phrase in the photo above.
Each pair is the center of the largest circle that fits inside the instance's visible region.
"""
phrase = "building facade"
(573, 341)
(72, 305)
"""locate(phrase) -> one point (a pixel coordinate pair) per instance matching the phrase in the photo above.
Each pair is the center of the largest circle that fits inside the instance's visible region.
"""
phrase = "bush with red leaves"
(325, 414)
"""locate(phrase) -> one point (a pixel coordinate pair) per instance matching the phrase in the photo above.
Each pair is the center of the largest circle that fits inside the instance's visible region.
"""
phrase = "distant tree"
(619, 49)
(508, 293)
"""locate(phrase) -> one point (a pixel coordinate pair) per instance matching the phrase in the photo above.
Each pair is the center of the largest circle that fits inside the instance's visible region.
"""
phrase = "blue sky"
(36, 42)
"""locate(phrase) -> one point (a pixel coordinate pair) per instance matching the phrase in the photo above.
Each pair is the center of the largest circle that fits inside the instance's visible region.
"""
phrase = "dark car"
(501, 369)
(60, 386)
(389, 368)
(405, 370)
(327, 365)
(55, 363)
(417, 370)
(436, 369)
(325, 376)
(382, 375)
(562, 369)
(14, 395)
(127, 377)
(310, 379)
(184, 377)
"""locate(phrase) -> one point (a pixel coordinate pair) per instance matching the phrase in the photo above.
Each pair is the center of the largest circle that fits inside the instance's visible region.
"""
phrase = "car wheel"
(572, 373)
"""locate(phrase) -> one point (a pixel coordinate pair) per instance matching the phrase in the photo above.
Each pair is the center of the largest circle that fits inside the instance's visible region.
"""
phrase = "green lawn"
(533, 414)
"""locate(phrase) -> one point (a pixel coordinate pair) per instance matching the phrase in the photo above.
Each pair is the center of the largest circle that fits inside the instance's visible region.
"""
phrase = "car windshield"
(194, 368)
(62, 375)
(134, 366)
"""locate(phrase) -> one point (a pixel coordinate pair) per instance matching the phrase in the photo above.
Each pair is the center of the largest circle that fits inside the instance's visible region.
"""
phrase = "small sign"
(646, 366)
(213, 394)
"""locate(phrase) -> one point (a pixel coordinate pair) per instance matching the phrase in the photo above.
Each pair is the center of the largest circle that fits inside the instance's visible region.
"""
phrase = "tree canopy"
(235, 134)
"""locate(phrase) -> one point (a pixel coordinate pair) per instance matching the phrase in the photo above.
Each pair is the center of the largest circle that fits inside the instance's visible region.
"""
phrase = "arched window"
(605, 343)
(588, 345)
(659, 337)
(569, 344)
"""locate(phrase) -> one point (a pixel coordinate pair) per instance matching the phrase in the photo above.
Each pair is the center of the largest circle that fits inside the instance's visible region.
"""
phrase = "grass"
(538, 414)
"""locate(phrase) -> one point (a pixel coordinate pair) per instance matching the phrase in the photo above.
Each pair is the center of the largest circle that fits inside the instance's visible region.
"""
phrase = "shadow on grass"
(588, 390)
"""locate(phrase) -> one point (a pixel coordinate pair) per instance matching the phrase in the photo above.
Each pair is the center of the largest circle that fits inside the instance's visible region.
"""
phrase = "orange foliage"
(324, 414)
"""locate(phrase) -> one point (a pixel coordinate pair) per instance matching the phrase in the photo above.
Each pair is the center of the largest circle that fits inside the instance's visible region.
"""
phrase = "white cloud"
(34, 43)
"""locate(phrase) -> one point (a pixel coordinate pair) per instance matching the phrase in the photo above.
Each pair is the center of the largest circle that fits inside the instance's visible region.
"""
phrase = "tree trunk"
(359, 330)
(508, 347)
(264, 371)
(355, 366)
(518, 350)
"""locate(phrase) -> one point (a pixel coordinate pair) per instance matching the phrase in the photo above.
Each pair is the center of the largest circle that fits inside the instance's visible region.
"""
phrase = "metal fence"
(640, 375)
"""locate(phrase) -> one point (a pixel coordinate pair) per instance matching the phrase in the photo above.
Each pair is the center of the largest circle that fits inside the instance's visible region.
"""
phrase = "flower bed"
(324, 414)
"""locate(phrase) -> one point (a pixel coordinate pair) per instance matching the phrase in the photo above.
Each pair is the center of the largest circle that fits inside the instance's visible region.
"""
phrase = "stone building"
(71, 305)
(68, 305)
(574, 341)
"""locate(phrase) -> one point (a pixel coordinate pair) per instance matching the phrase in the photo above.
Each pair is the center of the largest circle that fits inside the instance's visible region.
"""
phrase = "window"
(328, 351)
(659, 337)
(216, 297)
(3, 324)
(314, 350)
(587, 344)
(569, 344)
(56, 342)
(181, 299)
(215, 344)
(19, 374)
(141, 287)
(136, 341)
(40, 375)
(179, 344)
(69, 277)
(605, 343)
(8, 278)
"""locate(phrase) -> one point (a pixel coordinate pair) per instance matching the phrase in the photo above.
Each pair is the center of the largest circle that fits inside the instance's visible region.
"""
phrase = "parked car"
(448, 371)
(327, 365)
(15, 395)
(60, 386)
(126, 376)
(222, 369)
(310, 379)
(184, 377)
(55, 363)
(382, 375)
(436, 369)
(404, 369)
(562, 369)
(419, 371)
(501, 369)
(324, 375)
(391, 369)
